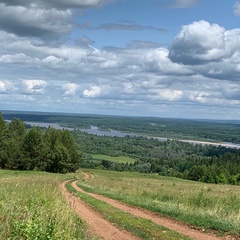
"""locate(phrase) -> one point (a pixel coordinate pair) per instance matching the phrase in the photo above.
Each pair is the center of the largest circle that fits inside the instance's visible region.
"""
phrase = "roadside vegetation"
(207, 206)
(32, 206)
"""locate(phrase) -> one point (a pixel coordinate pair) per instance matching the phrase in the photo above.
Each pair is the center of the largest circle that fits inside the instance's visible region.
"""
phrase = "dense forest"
(34, 149)
(211, 164)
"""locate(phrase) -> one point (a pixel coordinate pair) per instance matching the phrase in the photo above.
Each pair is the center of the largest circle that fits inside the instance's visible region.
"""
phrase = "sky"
(162, 58)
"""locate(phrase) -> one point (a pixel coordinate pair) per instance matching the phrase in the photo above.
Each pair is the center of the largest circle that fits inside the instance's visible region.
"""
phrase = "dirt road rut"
(97, 225)
(107, 230)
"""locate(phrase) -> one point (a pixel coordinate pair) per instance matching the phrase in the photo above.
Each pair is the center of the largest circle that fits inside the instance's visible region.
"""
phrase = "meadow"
(138, 226)
(32, 206)
(205, 206)
(120, 159)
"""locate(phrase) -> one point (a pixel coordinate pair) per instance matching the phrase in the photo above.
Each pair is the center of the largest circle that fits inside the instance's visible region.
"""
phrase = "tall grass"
(204, 205)
(32, 207)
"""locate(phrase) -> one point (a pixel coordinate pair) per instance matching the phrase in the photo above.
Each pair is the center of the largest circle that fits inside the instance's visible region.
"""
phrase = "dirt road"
(97, 225)
(111, 232)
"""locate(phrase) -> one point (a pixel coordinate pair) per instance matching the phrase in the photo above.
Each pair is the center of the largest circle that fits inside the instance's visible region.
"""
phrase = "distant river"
(92, 130)
(113, 133)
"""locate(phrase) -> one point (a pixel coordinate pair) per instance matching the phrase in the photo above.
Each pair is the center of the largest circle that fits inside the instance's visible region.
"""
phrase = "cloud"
(197, 43)
(2, 87)
(42, 18)
(44, 23)
(93, 92)
(199, 70)
(182, 3)
(69, 89)
(6, 87)
(167, 94)
(231, 91)
(136, 44)
(216, 56)
(13, 58)
(78, 4)
(118, 27)
(84, 41)
(57, 3)
(237, 8)
(34, 86)
(127, 27)
(210, 49)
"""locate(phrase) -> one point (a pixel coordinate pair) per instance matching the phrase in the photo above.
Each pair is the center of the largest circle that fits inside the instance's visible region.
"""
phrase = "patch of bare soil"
(98, 226)
(154, 217)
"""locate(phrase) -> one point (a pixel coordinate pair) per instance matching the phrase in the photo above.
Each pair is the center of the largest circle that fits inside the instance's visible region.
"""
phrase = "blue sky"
(175, 58)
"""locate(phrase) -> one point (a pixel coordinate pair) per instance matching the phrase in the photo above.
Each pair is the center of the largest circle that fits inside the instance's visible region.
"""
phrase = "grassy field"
(120, 159)
(140, 227)
(204, 205)
(33, 207)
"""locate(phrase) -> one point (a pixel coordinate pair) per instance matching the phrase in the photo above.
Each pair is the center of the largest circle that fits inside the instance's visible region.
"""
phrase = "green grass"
(32, 207)
(120, 159)
(207, 206)
(140, 227)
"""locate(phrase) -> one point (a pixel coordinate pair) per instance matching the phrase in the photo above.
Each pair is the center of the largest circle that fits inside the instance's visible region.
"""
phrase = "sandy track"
(106, 230)
(98, 226)
(156, 218)
(87, 175)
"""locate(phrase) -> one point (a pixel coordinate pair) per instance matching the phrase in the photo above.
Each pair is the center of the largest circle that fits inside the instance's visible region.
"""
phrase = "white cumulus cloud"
(198, 42)
(2, 87)
(94, 91)
(34, 86)
(167, 94)
(69, 89)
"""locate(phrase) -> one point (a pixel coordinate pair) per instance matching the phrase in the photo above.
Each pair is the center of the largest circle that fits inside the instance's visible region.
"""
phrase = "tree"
(3, 139)
(16, 131)
(17, 128)
(32, 146)
(75, 158)
(62, 153)
(197, 173)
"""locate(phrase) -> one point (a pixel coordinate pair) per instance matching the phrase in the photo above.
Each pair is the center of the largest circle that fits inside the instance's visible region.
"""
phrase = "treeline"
(211, 164)
(56, 151)
(225, 131)
(50, 150)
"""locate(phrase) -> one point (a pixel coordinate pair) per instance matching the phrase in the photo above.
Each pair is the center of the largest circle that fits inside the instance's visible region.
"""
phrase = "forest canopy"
(50, 150)
(210, 164)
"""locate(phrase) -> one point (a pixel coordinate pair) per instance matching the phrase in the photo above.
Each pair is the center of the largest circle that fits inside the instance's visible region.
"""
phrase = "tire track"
(154, 217)
(97, 224)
